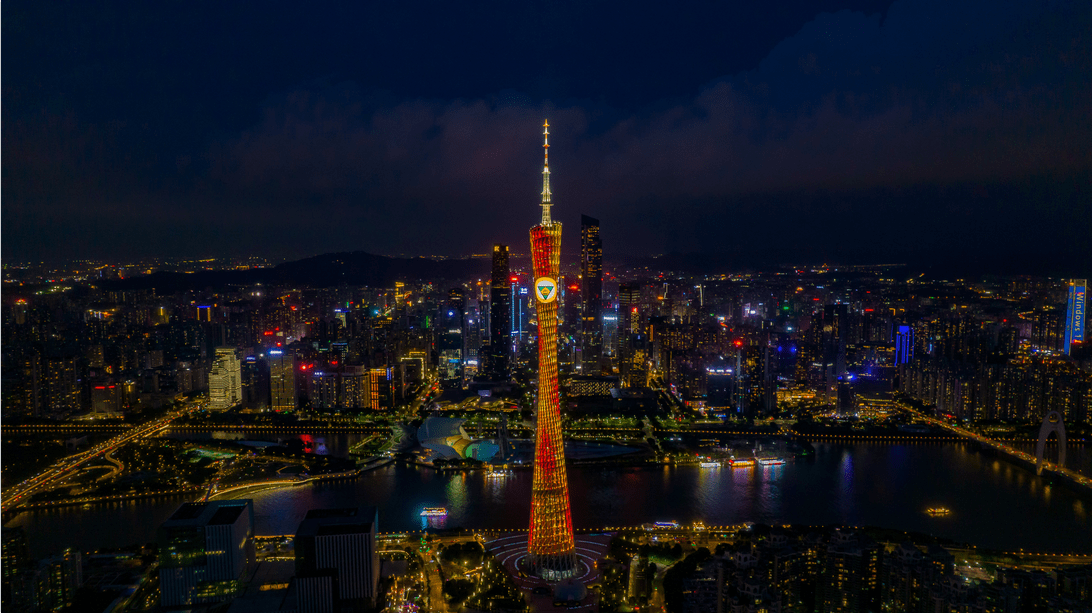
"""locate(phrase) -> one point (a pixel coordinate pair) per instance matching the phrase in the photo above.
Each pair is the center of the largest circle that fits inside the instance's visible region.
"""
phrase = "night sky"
(850, 130)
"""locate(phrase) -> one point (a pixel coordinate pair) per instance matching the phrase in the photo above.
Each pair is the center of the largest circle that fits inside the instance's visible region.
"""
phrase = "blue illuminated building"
(1074, 314)
(519, 296)
(904, 345)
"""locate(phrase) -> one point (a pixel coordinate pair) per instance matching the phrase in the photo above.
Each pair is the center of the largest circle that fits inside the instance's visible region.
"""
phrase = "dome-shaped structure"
(444, 437)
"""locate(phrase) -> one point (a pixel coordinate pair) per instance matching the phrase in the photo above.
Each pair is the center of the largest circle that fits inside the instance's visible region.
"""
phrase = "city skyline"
(275, 338)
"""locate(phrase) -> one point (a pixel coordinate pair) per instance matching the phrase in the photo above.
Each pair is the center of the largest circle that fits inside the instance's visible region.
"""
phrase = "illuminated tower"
(550, 542)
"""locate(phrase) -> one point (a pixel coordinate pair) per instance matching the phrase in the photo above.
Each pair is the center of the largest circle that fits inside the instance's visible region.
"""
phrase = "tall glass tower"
(591, 292)
(500, 317)
(550, 541)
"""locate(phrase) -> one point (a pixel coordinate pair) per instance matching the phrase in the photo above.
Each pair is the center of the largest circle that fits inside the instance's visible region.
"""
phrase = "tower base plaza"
(511, 551)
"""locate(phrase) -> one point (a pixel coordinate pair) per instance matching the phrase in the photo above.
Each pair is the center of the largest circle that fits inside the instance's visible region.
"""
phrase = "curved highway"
(20, 494)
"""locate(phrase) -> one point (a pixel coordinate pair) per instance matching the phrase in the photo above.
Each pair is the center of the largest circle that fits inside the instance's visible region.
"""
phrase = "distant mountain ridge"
(362, 269)
(357, 268)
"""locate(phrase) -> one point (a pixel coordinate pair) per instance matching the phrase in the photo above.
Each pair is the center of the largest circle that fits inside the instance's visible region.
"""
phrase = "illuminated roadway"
(117, 468)
(68, 466)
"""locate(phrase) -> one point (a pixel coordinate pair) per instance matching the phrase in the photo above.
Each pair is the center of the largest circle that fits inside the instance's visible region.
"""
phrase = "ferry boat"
(499, 474)
(741, 462)
(938, 511)
(666, 524)
(771, 461)
(710, 464)
(434, 512)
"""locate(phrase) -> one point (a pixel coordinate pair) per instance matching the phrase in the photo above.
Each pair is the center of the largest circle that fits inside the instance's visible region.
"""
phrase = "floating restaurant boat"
(937, 511)
(434, 512)
(741, 462)
(771, 461)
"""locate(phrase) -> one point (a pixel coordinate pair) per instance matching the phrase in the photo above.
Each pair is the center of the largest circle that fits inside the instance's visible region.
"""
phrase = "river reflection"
(994, 504)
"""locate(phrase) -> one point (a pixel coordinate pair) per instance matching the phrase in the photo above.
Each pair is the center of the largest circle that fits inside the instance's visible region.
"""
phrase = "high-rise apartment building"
(1048, 329)
(17, 562)
(282, 380)
(205, 551)
(337, 563)
(225, 380)
(60, 384)
(46, 585)
(500, 306)
(850, 579)
(591, 292)
(57, 580)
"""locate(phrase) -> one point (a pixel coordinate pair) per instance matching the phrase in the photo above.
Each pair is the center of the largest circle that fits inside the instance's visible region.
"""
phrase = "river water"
(994, 503)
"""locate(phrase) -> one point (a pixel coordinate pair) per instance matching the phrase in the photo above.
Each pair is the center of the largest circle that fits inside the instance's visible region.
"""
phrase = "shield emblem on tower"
(545, 289)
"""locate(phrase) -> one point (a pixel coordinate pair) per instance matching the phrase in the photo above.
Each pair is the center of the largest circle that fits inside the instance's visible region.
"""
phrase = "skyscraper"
(225, 380)
(520, 296)
(472, 341)
(500, 316)
(833, 328)
(282, 380)
(631, 340)
(1074, 314)
(591, 291)
(550, 541)
(450, 342)
(904, 345)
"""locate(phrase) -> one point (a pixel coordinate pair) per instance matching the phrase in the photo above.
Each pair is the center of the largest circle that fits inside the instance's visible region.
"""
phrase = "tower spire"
(546, 204)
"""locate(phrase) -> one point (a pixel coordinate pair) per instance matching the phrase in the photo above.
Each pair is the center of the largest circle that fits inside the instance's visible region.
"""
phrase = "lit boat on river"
(434, 512)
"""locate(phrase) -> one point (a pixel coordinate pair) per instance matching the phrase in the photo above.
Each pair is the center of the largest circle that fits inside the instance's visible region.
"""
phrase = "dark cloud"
(863, 113)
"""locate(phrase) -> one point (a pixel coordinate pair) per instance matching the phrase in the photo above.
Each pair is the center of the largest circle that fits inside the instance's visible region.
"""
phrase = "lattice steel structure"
(550, 541)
